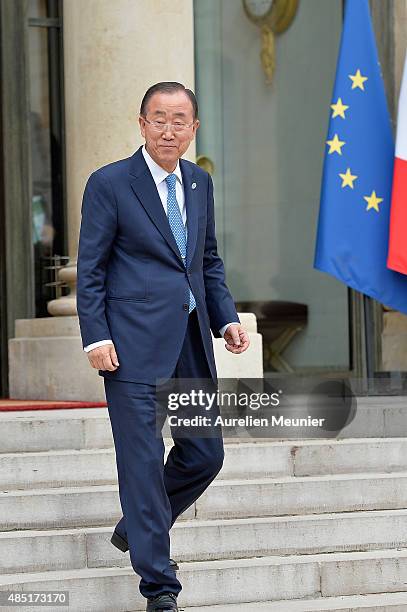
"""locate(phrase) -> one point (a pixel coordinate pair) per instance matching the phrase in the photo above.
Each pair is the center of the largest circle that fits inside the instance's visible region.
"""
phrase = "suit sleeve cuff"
(224, 328)
(94, 345)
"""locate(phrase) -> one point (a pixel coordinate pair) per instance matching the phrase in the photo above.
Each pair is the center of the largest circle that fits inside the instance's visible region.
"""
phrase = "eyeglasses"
(160, 126)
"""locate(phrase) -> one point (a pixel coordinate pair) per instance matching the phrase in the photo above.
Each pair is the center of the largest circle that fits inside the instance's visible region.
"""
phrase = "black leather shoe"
(123, 545)
(164, 601)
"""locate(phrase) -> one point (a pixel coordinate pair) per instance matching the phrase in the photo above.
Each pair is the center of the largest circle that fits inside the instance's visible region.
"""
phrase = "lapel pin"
(193, 185)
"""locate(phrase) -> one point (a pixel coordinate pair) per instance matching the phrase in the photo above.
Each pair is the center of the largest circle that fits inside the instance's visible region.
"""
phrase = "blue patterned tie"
(177, 226)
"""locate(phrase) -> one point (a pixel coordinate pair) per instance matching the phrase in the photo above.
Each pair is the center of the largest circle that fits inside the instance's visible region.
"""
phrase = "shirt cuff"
(224, 328)
(96, 344)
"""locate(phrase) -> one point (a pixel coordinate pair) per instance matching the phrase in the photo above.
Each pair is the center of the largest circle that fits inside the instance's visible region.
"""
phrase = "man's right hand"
(103, 358)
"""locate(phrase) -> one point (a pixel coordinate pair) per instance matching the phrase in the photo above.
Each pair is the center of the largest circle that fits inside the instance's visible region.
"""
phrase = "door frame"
(17, 288)
(17, 274)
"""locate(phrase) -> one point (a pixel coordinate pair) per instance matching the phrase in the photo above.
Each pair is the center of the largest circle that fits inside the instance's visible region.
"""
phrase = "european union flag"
(353, 226)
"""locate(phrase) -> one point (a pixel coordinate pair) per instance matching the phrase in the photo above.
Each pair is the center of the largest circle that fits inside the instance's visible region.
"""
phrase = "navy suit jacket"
(132, 283)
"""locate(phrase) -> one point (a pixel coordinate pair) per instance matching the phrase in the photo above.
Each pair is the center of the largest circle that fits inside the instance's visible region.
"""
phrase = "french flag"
(397, 255)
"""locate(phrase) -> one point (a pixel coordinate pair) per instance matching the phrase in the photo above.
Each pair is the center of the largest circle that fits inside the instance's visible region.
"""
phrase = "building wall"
(400, 34)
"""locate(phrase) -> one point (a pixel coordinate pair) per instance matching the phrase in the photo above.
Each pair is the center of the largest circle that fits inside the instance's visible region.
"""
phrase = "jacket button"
(185, 307)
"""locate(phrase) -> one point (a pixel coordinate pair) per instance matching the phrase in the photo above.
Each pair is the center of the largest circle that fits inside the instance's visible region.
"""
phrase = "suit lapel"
(145, 189)
(191, 207)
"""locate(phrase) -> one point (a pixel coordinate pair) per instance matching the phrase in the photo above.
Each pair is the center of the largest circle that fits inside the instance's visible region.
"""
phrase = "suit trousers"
(153, 494)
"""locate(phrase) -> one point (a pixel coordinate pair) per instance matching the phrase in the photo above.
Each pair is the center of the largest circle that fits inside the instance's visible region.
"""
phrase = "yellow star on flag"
(339, 109)
(348, 178)
(335, 145)
(358, 80)
(373, 201)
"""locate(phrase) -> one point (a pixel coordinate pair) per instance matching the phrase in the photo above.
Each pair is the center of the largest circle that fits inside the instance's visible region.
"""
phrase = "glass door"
(266, 145)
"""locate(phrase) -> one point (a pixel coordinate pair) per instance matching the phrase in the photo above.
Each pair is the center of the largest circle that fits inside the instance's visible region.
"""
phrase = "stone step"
(72, 468)
(318, 457)
(206, 540)
(54, 468)
(99, 505)
(381, 602)
(37, 430)
(223, 582)
(302, 495)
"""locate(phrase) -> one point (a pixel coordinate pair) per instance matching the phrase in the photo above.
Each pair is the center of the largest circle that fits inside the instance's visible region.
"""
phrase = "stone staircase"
(286, 526)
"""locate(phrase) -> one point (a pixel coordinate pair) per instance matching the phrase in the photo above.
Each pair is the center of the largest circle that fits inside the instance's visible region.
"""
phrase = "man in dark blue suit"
(151, 288)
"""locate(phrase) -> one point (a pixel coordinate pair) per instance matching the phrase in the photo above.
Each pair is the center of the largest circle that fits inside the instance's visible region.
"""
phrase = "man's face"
(165, 144)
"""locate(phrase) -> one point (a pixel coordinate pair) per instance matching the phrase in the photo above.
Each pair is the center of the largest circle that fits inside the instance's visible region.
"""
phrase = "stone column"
(400, 34)
(113, 51)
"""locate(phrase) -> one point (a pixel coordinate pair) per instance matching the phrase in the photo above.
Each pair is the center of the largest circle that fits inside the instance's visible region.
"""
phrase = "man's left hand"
(237, 339)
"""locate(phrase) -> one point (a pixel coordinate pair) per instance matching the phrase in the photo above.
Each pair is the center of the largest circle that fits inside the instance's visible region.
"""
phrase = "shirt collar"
(159, 174)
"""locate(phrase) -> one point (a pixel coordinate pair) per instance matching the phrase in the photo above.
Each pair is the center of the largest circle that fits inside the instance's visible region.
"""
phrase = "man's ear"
(196, 126)
(142, 125)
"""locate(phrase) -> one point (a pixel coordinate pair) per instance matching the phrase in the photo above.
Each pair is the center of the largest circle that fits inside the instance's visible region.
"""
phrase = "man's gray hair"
(168, 87)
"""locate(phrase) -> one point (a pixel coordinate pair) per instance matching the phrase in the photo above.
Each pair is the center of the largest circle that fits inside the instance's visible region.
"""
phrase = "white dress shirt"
(159, 175)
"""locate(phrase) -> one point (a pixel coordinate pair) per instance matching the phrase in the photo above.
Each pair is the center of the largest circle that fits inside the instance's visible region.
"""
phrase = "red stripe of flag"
(397, 255)
(397, 258)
